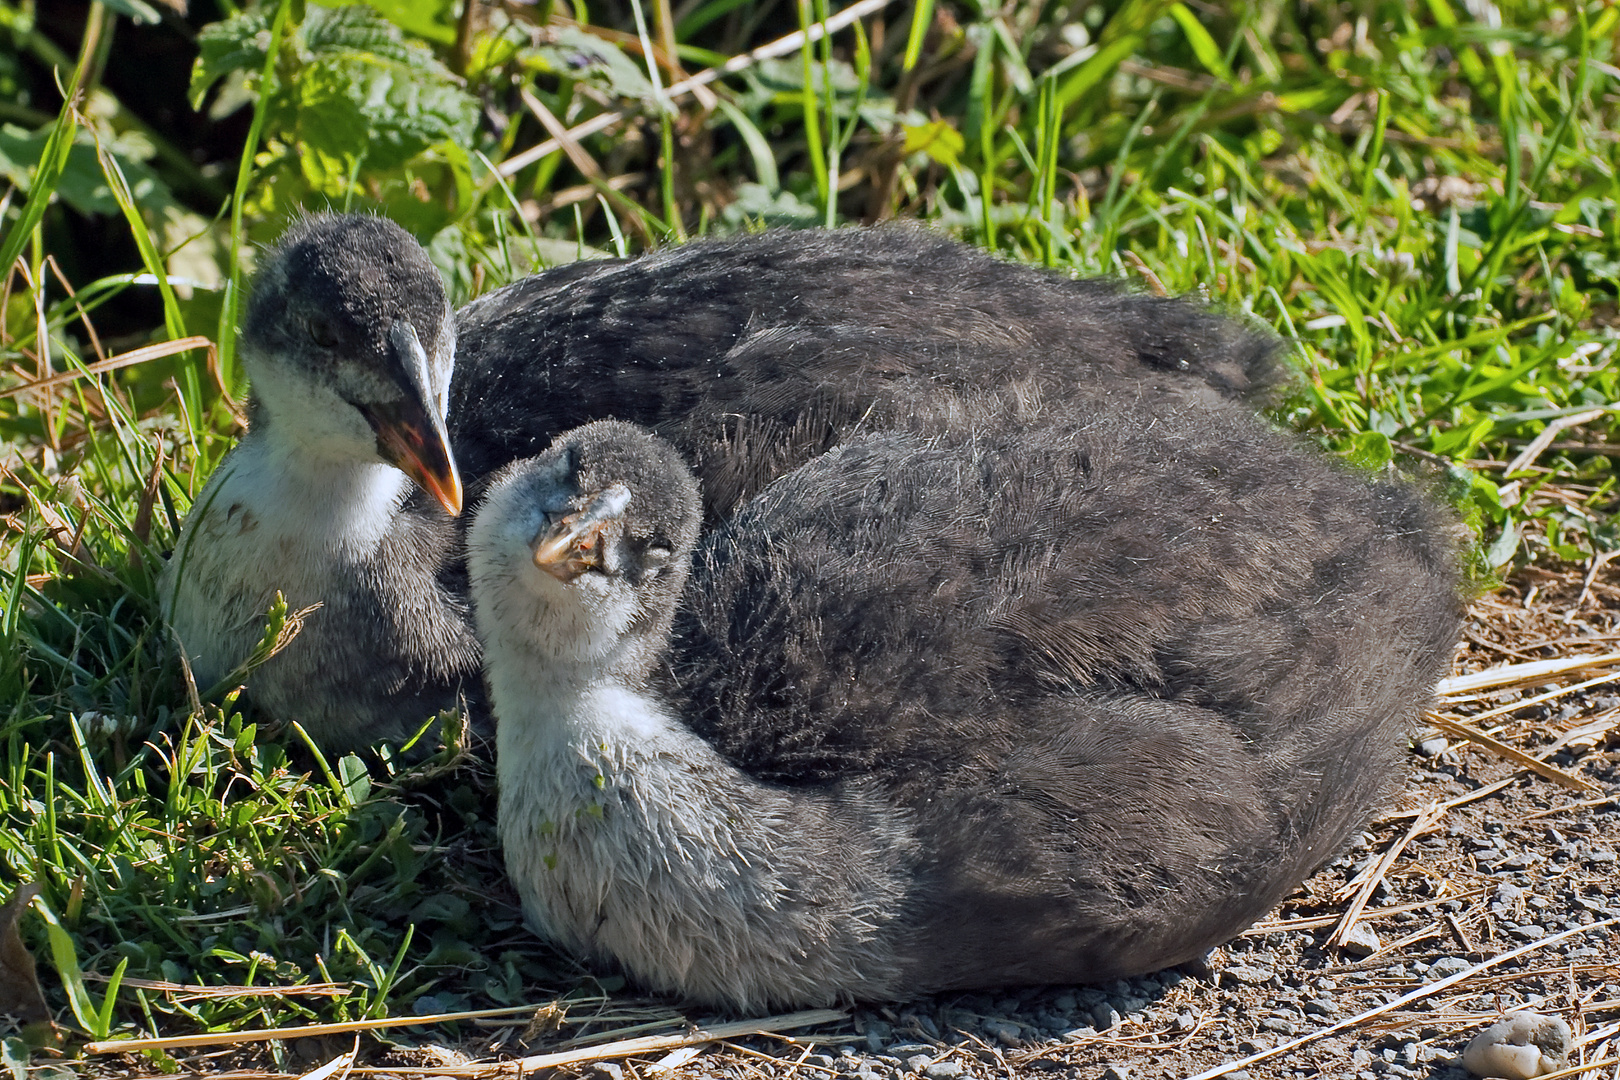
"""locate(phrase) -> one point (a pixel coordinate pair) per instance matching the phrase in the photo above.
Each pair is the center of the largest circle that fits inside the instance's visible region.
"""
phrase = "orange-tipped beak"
(415, 442)
(576, 544)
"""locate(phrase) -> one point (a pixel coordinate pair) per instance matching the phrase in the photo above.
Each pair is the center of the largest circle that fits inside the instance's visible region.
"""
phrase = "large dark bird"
(1012, 704)
(752, 355)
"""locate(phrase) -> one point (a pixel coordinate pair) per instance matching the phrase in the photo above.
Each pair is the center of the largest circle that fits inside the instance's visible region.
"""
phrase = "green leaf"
(372, 96)
(356, 28)
(52, 159)
(1371, 450)
(386, 113)
(759, 149)
(430, 19)
(1500, 553)
(66, 960)
(14, 1058)
(938, 139)
(1203, 46)
(922, 17)
(79, 182)
(236, 44)
(356, 778)
(578, 55)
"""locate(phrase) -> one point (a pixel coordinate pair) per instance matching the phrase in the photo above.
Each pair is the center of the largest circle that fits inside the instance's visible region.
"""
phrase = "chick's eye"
(322, 332)
(655, 559)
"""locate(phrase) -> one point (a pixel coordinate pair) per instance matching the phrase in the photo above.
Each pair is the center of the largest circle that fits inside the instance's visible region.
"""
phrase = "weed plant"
(1419, 198)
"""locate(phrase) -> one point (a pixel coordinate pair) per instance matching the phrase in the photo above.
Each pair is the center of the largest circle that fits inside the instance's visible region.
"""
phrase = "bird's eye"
(654, 559)
(322, 332)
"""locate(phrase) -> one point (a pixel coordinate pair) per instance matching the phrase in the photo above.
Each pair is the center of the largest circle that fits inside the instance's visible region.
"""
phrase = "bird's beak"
(568, 548)
(410, 432)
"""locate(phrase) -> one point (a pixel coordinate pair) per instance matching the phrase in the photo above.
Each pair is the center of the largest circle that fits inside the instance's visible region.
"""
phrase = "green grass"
(1339, 172)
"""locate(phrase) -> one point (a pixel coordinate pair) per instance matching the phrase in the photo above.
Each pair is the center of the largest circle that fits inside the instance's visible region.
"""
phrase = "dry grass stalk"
(1347, 923)
(189, 992)
(648, 1044)
(113, 363)
(342, 1063)
(222, 1038)
(1524, 703)
(1554, 428)
(1512, 753)
(1577, 1070)
(1584, 804)
(1316, 922)
(1421, 993)
(1519, 674)
(1462, 800)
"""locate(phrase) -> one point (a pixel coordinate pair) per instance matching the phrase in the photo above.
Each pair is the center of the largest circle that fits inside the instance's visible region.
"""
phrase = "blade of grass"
(232, 301)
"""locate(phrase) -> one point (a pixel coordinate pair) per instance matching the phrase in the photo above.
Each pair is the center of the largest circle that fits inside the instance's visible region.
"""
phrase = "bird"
(1053, 697)
(374, 410)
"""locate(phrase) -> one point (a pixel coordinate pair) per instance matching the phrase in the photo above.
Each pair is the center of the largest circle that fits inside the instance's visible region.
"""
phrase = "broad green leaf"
(1371, 450)
(66, 960)
(356, 28)
(577, 55)
(367, 107)
(937, 139)
(236, 44)
(433, 20)
(1500, 553)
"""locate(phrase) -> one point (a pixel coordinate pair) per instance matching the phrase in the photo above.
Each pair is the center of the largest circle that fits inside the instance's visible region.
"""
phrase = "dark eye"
(322, 332)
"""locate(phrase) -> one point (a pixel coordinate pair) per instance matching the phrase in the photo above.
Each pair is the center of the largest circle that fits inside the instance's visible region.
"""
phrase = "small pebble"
(1433, 746)
(1104, 1016)
(1523, 1046)
(604, 1070)
(1249, 976)
(1362, 941)
(943, 1070)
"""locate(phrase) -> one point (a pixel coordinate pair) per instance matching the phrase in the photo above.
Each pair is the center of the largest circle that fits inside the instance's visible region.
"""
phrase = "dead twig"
(1512, 753)
(1347, 923)
(1519, 674)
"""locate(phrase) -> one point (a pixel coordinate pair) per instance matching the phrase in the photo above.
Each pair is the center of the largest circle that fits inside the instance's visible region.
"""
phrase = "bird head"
(585, 548)
(349, 341)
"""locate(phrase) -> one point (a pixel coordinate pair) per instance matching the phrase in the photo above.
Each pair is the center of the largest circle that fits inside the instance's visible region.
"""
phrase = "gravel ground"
(1490, 857)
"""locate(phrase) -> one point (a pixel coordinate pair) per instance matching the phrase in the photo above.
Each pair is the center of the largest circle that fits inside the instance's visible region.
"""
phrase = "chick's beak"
(410, 432)
(413, 440)
(569, 547)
